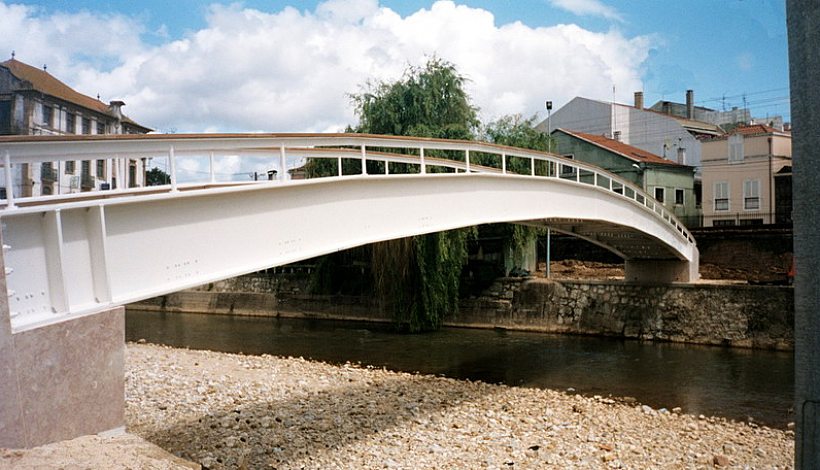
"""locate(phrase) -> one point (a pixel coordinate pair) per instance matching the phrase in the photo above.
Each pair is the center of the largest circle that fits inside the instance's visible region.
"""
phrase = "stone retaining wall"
(720, 314)
(724, 314)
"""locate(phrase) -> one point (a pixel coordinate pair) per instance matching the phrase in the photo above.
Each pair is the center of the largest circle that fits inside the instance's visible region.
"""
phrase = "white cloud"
(249, 70)
(588, 7)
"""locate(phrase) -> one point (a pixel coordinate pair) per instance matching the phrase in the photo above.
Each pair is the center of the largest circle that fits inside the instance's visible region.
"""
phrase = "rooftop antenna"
(12, 54)
(98, 97)
(45, 67)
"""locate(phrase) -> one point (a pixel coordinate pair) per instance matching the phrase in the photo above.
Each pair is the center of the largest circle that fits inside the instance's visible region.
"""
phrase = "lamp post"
(548, 104)
(549, 126)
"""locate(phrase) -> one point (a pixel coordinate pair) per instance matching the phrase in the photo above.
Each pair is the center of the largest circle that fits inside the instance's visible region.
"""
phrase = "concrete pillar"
(803, 18)
(60, 381)
(654, 271)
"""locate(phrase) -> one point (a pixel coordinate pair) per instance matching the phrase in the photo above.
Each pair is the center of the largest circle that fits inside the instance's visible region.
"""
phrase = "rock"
(720, 461)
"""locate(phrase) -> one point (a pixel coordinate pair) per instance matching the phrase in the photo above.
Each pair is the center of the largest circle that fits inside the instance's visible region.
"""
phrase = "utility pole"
(803, 22)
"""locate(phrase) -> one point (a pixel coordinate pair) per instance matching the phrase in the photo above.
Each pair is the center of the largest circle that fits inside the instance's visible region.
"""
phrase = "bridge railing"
(355, 155)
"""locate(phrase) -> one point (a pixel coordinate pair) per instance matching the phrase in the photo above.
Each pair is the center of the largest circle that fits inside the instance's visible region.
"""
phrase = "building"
(670, 137)
(671, 183)
(33, 102)
(739, 171)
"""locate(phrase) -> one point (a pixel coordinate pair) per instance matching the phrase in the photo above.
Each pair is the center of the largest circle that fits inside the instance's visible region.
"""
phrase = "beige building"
(739, 171)
(33, 102)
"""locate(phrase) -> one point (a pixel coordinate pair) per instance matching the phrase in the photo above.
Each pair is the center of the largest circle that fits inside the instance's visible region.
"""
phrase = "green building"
(669, 182)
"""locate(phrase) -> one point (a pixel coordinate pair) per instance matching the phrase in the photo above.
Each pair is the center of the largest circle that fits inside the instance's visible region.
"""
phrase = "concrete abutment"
(63, 380)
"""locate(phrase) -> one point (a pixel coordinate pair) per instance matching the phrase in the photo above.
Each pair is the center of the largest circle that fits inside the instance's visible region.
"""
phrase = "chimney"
(681, 156)
(639, 100)
(116, 110)
(690, 104)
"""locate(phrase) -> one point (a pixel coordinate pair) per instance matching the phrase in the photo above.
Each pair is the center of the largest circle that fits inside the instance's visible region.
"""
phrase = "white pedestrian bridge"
(76, 254)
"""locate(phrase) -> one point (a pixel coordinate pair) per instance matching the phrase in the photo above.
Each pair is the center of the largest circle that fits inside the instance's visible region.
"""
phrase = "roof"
(627, 151)
(44, 82)
(756, 129)
(753, 130)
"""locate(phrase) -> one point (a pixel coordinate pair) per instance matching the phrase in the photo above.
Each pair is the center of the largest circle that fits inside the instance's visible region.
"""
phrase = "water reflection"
(709, 380)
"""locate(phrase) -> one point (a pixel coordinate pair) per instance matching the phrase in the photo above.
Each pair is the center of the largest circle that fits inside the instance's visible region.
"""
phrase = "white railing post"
(212, 170)
(577, 174)
(364, 161)
(504, 163)
(386, 166)
(467, 159)
(532, 166)
(9, 182)
(595, 179)
(283, 164)
(421, 157)
(339, 165)
(173, 168)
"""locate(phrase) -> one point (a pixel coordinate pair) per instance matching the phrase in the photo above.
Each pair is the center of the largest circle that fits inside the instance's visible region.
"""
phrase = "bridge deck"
(75, 254)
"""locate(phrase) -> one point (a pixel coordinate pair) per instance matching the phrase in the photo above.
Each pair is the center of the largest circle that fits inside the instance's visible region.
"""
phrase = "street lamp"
(548, 104)
(549, 126)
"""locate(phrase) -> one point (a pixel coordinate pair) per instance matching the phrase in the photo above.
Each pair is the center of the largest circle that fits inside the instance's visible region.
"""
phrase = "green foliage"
(428, 101)
(156, 177)
(515, 131)
(417, 277)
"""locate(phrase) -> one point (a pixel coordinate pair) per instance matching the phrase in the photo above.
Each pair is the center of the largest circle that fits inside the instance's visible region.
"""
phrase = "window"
(751, 222)
(723, 222)
(70, 123)
(100, 127)
(722, 196)
(678, 196)
(566, 169)
(660, 194)
(100, 168)
(69, 167)
(751, 195)
(48, 116)
(735, 148)
(86, 125)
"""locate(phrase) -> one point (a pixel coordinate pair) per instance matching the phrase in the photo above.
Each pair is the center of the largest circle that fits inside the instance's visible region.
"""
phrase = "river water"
(732, 383)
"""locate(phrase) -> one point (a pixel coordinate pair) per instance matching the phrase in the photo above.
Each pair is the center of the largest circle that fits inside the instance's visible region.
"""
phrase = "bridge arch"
(80, 254)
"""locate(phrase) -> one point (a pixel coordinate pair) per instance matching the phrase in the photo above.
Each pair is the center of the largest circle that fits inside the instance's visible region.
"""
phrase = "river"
(732, 383)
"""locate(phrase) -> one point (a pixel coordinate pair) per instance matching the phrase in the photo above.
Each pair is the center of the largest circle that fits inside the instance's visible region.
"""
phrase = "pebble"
(232, 411)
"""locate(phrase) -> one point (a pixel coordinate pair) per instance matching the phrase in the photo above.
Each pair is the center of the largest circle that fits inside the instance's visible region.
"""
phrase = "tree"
(156, 177)
(417, 277)
(515, 131)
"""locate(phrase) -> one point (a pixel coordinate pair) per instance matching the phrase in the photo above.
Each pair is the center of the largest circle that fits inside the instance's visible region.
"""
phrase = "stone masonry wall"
(725, 314)
(720, 314)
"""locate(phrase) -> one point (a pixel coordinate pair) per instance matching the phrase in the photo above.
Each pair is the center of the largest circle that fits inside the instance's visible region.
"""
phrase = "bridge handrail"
(36, 149)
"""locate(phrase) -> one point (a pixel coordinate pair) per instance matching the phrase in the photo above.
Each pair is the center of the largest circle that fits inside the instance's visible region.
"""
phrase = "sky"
(288, 66)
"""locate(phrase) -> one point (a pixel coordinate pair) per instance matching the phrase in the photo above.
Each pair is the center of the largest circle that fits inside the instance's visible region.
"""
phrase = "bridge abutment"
(661, 271)
(63, 380)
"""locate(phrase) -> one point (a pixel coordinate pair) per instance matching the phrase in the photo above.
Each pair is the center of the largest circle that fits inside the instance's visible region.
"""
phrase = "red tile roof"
(625, 150)
(46, 83)
(755, 129)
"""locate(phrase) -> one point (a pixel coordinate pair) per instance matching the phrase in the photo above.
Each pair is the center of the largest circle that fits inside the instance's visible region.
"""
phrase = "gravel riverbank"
(233, 411)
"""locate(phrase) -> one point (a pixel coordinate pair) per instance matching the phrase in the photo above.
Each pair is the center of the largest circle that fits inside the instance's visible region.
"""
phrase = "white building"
(671, 137)
(33, 102)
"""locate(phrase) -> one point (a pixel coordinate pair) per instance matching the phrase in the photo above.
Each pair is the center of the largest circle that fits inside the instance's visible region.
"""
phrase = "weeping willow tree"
(517, 131)
(417, 277)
